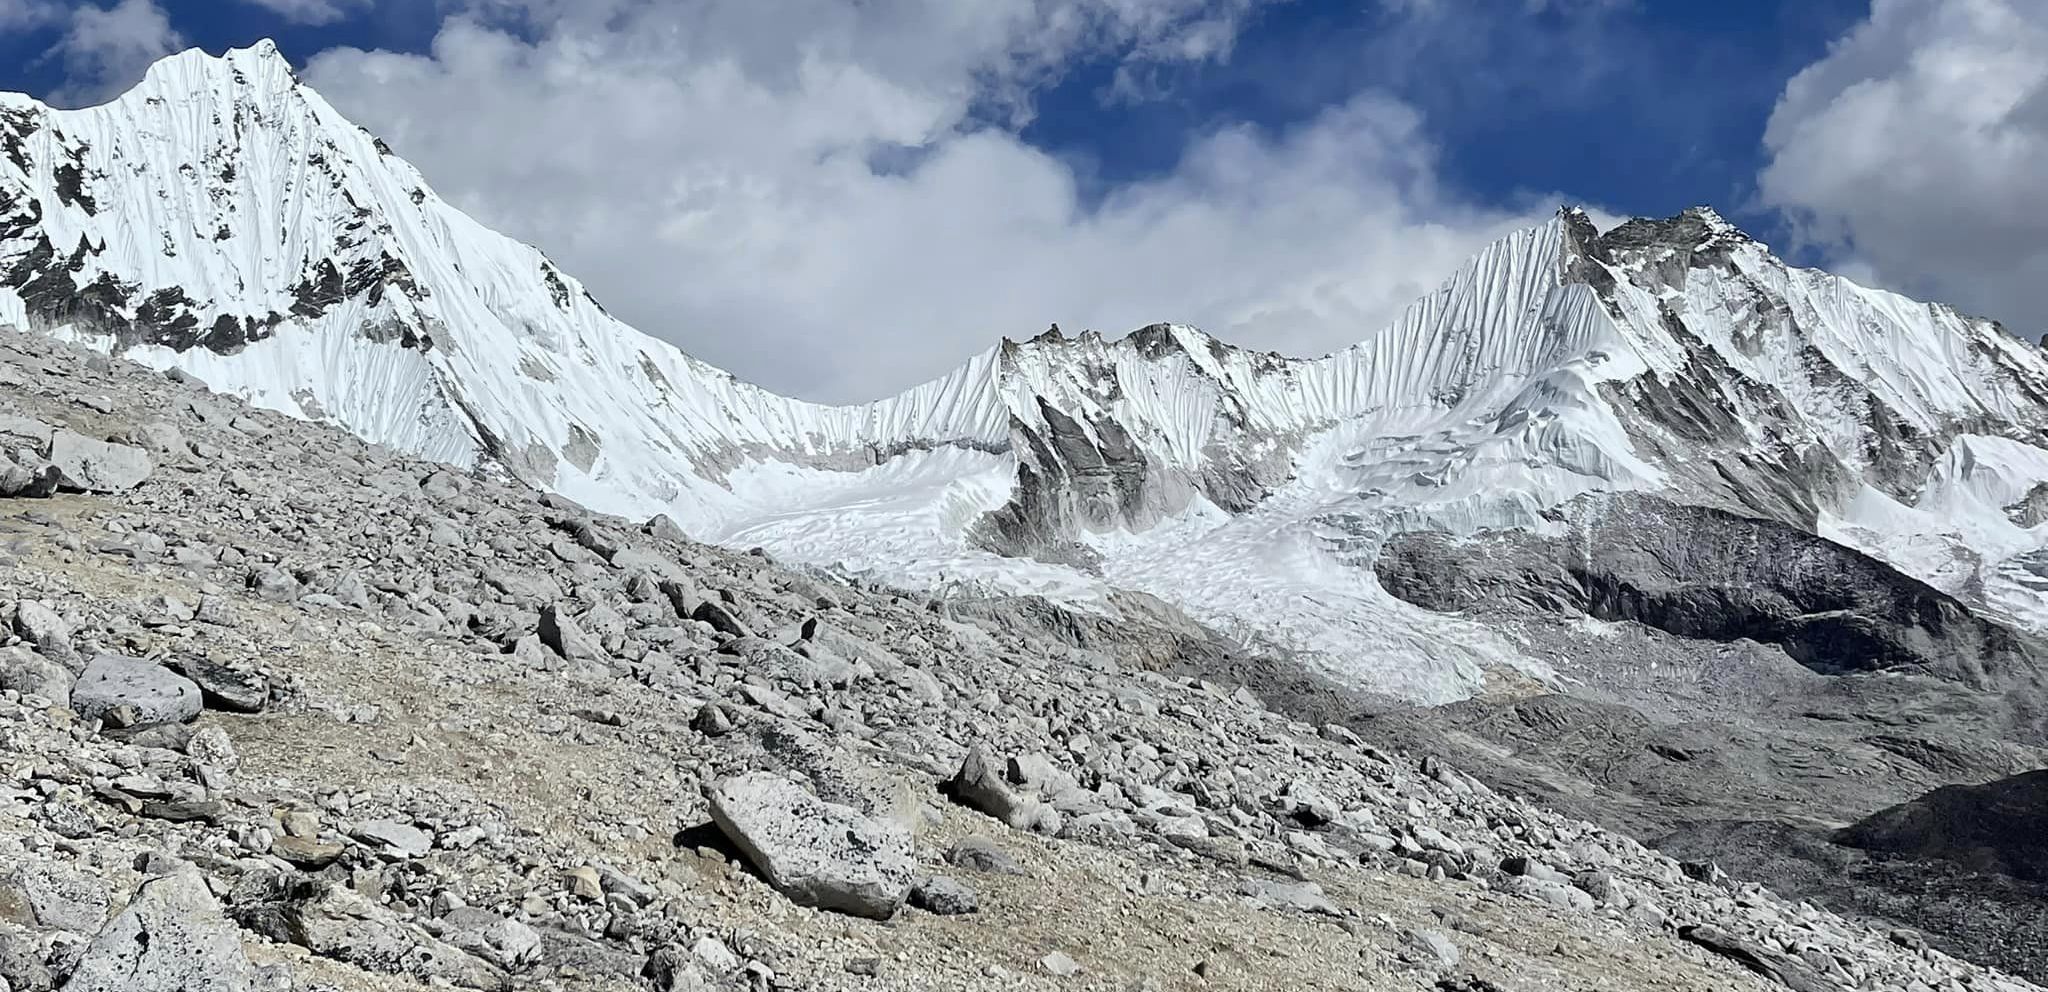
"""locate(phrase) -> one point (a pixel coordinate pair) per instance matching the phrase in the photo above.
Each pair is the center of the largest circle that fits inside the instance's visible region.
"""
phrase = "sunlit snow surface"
(1958, 533)
(1485, 404)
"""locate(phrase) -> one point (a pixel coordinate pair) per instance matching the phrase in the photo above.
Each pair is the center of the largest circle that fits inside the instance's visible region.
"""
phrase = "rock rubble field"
(282, 710)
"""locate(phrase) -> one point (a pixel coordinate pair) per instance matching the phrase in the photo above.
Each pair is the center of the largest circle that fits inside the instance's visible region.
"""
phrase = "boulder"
(32, 674)
(157, 694)
(339, 923)
(171, 938)
(25, 477)
(46, 629)
(156, 436)
(817, 853)
(942, 895)
(1769, 962)
(979, 854)
(508, 944)
(663, 528)
(393, 839)
(52, 896)
(721, 618)
(222, 687)
(560, 631)
(980, 784)
(97, 466)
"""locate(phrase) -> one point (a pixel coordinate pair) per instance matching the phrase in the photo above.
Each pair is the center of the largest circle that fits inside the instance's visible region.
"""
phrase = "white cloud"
(1915, 149)
(105, 49)
(16, 15)
(312, 11)
(802, 193)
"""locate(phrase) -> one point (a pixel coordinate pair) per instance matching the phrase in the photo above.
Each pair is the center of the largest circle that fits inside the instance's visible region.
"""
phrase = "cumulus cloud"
(106, 49)
(1914, 151)
(312, 11)
(832, 199)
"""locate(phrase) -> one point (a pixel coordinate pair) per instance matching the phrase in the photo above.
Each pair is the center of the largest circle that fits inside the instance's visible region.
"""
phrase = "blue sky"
(957, 172)
(1644, 109)
(1641, 108)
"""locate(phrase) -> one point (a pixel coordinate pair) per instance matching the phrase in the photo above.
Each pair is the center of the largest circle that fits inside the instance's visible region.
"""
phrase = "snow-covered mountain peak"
(260, 69)
(223, 219)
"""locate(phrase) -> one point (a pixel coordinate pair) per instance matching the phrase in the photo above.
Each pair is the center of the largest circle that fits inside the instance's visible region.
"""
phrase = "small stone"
(189, 811)
(305, 852)
(942, 895)
(393, 839)
(981, 854)
(270, 584)
(300, 823)
(1059, 965)
(212, 746)
(713, 720)
(1430, 949)
(582, 882)
(715, 955)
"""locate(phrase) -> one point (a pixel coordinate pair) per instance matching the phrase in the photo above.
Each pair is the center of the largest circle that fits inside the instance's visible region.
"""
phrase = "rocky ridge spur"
(280, 710)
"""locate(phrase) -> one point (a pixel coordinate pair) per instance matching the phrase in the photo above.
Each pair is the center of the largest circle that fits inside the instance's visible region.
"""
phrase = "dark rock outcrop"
(1704, 573)
(1995, 827)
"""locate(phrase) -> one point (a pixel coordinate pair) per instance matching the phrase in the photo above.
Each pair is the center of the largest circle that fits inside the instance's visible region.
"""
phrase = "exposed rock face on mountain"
(224, 220)
(1698, 572)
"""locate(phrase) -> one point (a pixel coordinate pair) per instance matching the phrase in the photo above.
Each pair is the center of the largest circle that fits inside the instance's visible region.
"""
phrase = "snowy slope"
(223, 219)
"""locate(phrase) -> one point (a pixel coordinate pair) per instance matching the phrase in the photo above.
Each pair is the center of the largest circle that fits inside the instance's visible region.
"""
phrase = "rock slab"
(97, 466)
(171, 938)
(817, 853)
(158, 694)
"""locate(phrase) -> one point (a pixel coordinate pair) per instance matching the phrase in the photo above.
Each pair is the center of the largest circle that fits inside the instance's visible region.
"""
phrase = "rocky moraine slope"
(279, 709)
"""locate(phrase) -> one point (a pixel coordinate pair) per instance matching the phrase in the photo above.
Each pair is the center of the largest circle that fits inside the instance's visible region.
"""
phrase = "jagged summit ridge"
(222, 218)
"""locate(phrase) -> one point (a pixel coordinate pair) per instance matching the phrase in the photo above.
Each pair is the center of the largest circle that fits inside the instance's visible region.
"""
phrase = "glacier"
(223, 219)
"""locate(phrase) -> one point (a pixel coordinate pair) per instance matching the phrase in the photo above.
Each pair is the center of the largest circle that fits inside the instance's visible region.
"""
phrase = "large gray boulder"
(817, 853)
(97, 466)
(158, 694)
(171, 938)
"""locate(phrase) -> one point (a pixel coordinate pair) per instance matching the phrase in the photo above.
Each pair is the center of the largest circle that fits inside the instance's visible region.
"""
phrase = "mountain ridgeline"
(223, 219)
